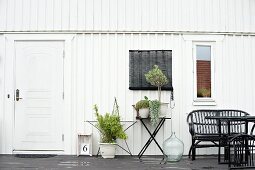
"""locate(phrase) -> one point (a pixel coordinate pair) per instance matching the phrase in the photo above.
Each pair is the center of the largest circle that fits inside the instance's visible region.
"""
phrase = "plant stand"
(84, 144)
(126, 150)
(152, 135)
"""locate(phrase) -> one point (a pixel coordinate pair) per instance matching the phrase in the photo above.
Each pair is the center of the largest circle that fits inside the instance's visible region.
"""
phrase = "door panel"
(39, 79)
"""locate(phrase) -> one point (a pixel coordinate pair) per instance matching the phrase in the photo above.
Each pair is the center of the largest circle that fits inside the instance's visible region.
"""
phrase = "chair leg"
(190, 150)
(193, 153)
(193, 148)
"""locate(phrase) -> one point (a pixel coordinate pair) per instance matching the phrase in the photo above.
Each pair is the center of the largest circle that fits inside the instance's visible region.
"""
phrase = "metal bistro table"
(152, 135)
(228, 120)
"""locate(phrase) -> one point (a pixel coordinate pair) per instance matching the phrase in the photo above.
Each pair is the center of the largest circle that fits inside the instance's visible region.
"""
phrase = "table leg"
(125, 150)
(128, 148)
(227, 151)
(246, 142)
(152, 135)
(130, 126)
(98, 151)
(219, 125)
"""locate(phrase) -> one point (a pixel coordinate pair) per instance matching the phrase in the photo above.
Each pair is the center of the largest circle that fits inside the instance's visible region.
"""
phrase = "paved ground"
(10, 162)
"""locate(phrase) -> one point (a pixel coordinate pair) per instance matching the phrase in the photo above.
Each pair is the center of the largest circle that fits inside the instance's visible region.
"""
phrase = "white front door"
(39, 96)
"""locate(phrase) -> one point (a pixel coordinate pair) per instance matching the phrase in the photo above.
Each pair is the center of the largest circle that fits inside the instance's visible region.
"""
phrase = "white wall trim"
(2, 74)
(63, 37)
(130, 32)
(9, 84)
(199, 37)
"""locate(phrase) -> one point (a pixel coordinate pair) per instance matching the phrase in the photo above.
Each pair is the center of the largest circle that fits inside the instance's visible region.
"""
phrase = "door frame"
(9, 83)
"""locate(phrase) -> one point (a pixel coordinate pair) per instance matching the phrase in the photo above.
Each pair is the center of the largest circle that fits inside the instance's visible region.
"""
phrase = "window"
(205, 47)
(203, 71)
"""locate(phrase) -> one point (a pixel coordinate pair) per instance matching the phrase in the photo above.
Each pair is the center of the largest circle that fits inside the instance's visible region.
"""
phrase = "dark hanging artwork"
(141, 61)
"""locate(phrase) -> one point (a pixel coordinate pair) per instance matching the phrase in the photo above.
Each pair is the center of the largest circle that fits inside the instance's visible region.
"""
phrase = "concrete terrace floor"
(10, 162)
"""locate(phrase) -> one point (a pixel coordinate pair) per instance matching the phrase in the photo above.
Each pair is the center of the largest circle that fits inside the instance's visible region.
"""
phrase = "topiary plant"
(110, 127)
(156, 78)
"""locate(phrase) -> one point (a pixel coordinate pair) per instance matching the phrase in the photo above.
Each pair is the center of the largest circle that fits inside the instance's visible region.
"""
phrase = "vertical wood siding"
(100, 72)
(128, 15)
(2, 56)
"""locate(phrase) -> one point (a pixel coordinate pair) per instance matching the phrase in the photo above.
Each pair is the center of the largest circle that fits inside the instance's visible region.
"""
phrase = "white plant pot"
(108, 150)
(144, 112)
(163, 109)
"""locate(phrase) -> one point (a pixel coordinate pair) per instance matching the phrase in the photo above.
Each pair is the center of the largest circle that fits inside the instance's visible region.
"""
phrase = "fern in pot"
(111, 129)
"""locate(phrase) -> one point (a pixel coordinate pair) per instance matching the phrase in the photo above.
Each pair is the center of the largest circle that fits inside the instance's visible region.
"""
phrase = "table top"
(124, 121)
(233, 118)
(138, 117)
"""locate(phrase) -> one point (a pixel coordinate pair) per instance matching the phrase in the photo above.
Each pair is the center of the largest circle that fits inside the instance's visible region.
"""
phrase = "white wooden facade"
(98, 35)
(128, 15)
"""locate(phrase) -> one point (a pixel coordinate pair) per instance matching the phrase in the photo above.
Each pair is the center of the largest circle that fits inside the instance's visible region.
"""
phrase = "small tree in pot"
(156, 78)
(111, 129)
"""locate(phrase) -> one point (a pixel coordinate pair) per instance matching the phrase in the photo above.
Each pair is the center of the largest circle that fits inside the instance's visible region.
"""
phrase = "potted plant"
(142, 107)
(154, 107)
(204, 92)
(111, 129)
(157, 78)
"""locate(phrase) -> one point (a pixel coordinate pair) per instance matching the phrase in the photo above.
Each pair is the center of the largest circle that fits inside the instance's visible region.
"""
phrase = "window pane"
(203, 60)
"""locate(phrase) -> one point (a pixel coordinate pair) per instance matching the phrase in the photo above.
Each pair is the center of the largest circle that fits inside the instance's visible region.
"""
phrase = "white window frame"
(214, 39)
(204, 99)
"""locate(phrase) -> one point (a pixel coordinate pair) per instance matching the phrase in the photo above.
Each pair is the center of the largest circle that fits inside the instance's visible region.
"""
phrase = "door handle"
(17, 95)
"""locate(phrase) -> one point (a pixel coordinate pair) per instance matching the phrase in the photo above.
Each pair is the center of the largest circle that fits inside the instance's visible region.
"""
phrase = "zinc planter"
(108, 150)
(144, 112)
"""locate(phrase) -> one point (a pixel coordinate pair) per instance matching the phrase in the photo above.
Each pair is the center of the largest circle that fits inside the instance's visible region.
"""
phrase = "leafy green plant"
(142, 103)
(156, 78)
(109, 126)
(204, 92)
(154, 106)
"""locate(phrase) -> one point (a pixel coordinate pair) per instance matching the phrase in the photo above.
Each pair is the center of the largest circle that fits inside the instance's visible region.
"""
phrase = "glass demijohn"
(173, 148)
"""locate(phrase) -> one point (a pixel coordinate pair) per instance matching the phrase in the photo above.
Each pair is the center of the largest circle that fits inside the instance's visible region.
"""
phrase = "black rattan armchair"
(242, 152)
(202, 130)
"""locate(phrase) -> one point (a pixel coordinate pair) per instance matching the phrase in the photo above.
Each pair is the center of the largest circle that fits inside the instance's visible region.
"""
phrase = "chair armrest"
(190, 123)
(252, 129)
(191, 129)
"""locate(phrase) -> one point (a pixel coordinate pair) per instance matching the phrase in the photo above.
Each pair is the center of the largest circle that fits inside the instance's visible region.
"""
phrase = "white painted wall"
(108, 60)
(100, 72)
(104, 32)
(128, 15)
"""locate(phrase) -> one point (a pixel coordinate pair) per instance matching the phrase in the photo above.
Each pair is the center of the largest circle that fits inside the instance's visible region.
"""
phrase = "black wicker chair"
(242, 152)
(206, 130)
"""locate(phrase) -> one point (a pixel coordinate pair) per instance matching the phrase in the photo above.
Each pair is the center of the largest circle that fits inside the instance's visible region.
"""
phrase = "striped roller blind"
(141, 61)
